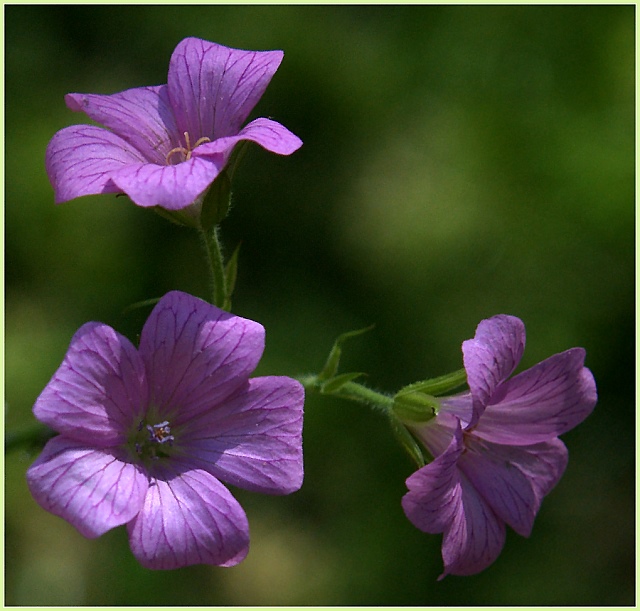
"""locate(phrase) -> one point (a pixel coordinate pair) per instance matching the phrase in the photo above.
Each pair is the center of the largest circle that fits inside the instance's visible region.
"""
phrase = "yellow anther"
(186, 152)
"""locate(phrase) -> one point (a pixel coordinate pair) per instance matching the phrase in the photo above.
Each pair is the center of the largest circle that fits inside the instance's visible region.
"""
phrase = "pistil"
(186, 151)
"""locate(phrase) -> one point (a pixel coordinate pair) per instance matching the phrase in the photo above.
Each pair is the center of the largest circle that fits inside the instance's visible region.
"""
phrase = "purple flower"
(147, 435)
(165, 145)
(496, 448)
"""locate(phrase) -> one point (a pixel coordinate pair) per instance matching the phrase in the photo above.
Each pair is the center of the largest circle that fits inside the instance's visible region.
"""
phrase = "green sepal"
(185, 217)
(415, 407)
(231, 274)
(437, 386)
(216, 202)
(331, 366)
(141, 304)
(337, 382)
(407, 441)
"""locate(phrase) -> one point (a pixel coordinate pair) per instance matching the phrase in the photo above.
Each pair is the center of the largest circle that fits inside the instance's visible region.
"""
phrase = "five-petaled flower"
(165, 145)
(496, 447)
(146, 435)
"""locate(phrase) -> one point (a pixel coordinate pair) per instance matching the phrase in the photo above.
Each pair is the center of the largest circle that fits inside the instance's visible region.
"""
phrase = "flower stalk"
(31, 437)
(215, 265)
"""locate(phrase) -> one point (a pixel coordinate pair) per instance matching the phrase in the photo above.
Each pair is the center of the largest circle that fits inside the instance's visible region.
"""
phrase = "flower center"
(185, 151)
(153, 441)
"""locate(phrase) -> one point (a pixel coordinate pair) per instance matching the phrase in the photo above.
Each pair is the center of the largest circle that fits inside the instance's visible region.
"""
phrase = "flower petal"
(80, 160)
(94, 490)
(542, 402)
(141, 116)
(431, 502)
(254, 438)
(491, 356)
(169, 186)
(196, 355)
(214, 88)
(188, 518)
(270, 135)
(514, 480)
(98, 391)
(441, 499)
(476, 535)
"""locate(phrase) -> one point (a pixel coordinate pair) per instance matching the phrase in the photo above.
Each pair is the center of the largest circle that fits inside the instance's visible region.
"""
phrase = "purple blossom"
(165, 145)
(147, 435)
(496, 447)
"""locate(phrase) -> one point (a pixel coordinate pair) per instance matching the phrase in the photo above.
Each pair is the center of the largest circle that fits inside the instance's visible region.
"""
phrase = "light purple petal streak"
(214, 88)
(491, 356)
(141, 116)
(92, 489)
(188, 518)
(196, 355)
(431, 501)
(514, 480)
(81, 159)
(441, 499)
(475, 537)
(99, 390)
(170, 186)
(544, 401)
(254, 439)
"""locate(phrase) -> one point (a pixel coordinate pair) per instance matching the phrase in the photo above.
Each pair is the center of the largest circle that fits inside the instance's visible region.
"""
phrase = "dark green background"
(458, 162)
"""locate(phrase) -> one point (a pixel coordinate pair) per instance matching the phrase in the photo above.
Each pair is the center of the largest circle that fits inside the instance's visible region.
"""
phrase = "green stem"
(216, 266)
(35, 435)
(352, 391)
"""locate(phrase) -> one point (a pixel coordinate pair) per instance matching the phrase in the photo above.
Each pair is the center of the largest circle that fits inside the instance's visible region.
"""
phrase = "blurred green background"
(458, 162)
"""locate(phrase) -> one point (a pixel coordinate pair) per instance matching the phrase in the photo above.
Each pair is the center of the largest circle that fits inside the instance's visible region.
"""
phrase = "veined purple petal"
(141, 116)
(457, 406)
(196, 355)
(541, 403)
(214, 88)
(270, 135)
(170, 186)
(254, 438)
(431, 502)
(99, 390)
(514, 480)
(188, 518)
(436, 434)
(92, 489)
(476, 535)
(491, 356)
(80, 160)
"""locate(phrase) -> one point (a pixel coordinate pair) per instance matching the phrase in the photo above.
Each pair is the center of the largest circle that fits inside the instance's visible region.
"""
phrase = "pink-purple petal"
(254, 438)
(214, 88)
(542, 402)
(141, 116)
(475, 537)
(514, 480)
(169, 186)
(270, 135)
(188, 517)
(81, 159)
(92, 489)
(196, 355)
(491, 356)
(98, 391)
(431, 501)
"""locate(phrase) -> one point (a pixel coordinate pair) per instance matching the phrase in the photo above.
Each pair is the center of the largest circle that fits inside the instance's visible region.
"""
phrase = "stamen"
(160, 433)
(178, 149)
(186, 152)
(200, 141)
